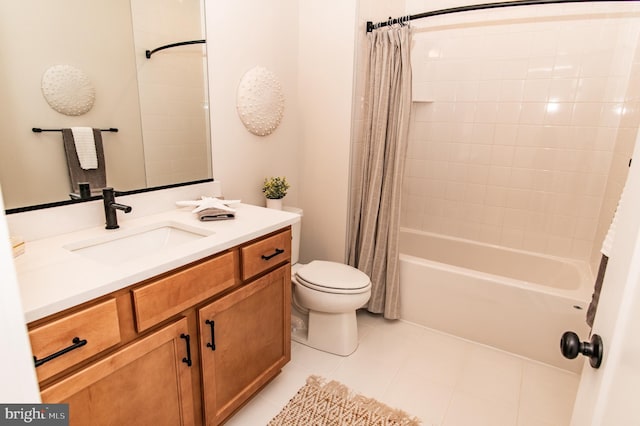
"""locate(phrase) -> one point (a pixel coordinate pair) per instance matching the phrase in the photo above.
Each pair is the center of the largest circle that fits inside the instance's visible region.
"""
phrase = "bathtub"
(513, 300)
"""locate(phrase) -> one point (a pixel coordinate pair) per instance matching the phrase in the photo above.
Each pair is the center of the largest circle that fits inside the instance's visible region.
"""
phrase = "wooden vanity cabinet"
(244, 342)
(158, 365)
(145, 383)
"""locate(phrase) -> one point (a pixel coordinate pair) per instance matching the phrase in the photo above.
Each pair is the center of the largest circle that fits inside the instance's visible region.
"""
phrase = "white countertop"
(52, 278)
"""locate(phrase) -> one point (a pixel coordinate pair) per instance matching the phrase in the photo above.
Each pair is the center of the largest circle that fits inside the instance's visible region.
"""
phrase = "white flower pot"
(274, 203)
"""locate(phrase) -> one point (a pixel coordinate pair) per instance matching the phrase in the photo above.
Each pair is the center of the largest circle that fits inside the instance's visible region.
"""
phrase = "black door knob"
(571, 346)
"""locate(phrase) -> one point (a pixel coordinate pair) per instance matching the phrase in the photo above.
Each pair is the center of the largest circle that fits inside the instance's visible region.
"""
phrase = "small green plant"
(275, 187)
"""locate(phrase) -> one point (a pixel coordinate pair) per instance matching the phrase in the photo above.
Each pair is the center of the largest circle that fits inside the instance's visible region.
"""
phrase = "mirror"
(159, 104)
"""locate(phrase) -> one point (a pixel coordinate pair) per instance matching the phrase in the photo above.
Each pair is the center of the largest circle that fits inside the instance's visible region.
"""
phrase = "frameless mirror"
(159, 104)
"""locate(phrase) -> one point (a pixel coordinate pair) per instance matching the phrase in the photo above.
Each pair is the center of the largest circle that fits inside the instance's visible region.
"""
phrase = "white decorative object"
(260, 101)
(68, 90)
(274, 203)
(209, 203)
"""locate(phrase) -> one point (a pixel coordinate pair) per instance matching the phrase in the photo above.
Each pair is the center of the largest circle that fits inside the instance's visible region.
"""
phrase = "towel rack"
(148, 53)
(39, 130)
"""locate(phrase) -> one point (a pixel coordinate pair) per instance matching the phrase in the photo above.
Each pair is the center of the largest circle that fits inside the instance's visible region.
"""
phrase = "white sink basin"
(125, 245)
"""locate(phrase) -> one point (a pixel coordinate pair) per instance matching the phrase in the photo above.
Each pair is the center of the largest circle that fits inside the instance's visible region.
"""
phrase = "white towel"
(209, 202)
(611, 233)
(85, 147)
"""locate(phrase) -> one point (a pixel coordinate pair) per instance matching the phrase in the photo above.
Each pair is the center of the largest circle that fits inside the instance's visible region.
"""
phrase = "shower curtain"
(377, 174)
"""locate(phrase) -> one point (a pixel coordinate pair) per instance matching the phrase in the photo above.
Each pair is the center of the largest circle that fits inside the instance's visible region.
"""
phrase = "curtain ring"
(390, 21)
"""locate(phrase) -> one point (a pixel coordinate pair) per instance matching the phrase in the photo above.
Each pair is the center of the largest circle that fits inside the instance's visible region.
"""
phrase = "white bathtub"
(513, 300)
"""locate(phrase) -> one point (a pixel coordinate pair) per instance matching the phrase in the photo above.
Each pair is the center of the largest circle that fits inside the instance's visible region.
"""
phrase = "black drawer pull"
(211, 345)
(76, 344)
(187, 359)
(277, 252)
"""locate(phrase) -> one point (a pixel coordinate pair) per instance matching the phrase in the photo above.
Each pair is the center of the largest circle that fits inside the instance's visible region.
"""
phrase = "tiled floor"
(442, 380)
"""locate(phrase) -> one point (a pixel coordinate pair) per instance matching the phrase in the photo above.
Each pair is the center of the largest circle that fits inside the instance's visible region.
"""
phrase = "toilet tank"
(295, 234)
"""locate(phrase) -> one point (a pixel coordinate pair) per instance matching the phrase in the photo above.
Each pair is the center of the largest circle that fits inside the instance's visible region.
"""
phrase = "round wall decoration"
(68, 90)
(260, 101)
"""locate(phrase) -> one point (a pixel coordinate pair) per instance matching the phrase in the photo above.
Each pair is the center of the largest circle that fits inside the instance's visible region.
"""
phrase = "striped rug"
(322, 403)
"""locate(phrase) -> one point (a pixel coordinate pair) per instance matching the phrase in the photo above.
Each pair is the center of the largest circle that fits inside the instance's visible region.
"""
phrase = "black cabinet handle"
(277, 252)
(76, 344)
(187, 360)
(211, 345)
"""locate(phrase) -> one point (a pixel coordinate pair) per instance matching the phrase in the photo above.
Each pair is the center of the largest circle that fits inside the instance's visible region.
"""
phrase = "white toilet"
(325, 296)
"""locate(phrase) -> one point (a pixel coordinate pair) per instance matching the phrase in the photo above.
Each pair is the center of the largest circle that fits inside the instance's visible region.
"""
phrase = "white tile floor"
(443, 380)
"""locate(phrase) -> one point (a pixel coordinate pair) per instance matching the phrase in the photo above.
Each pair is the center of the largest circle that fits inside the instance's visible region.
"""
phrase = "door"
(18, 382)
(245, 341)
(608, 395)
(147, 383)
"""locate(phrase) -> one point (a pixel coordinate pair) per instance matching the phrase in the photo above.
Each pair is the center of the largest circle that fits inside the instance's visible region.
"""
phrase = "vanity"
(184, 334)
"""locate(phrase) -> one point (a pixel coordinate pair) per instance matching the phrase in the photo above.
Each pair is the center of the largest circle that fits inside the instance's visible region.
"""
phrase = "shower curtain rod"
(371, 26)
(148, 53)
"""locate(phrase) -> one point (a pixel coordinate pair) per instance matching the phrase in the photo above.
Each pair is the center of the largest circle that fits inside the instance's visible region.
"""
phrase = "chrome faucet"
(110, 207)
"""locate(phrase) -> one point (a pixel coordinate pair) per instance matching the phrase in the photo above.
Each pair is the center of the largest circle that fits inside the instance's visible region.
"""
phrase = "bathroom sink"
(126, 245)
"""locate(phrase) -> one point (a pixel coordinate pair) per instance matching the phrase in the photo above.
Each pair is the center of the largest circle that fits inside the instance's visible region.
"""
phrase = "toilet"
(325, 296)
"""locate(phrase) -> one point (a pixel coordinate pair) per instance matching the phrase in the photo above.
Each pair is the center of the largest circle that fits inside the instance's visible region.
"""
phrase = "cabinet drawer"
(69, 340)
(165, 297)
(265, 254)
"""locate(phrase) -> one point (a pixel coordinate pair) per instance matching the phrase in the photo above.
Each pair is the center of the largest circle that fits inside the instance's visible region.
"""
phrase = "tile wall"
(173, 91)
(521, 109)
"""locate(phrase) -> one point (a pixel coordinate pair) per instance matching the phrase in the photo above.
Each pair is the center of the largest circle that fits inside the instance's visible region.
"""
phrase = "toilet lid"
(332, 276)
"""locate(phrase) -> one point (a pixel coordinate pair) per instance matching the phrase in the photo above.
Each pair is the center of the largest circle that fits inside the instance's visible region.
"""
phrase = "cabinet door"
(245, 340)
(145, 383)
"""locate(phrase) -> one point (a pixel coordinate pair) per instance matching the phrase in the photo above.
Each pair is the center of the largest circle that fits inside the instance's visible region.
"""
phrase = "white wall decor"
(260, 101)
(68, 90)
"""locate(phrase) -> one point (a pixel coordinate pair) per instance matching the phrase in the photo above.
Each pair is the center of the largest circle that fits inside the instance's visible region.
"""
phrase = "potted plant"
(274, 189)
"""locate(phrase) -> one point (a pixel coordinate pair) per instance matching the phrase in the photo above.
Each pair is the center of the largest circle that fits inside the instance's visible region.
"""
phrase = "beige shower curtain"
(377, 174)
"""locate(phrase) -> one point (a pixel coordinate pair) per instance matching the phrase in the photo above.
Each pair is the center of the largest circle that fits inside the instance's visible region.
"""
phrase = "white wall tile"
(533, 113)
(525, 120)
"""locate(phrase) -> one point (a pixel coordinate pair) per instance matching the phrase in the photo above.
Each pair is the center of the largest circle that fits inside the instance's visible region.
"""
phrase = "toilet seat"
(333, 277)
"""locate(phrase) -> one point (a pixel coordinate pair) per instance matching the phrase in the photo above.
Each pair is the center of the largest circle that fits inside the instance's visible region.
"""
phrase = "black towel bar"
(39, 130)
